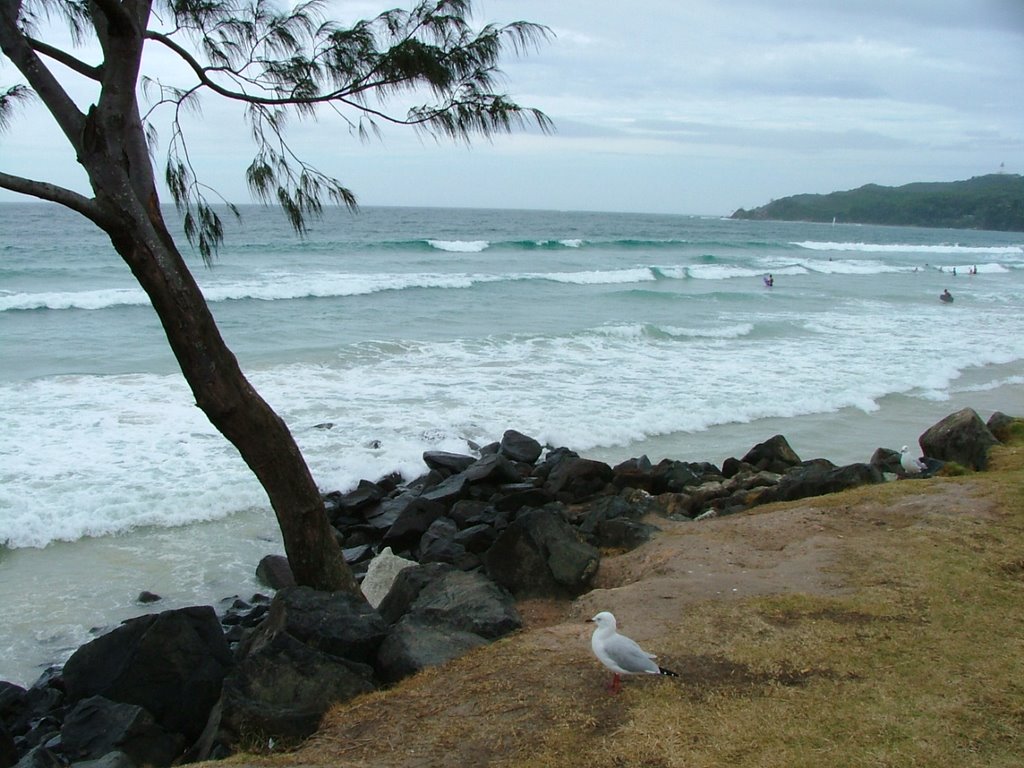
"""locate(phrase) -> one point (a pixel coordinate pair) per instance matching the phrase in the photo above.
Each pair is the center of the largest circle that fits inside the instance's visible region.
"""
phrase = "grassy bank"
(905, 647)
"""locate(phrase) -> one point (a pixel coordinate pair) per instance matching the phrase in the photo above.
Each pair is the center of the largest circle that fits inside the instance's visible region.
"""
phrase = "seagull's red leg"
(616, 684)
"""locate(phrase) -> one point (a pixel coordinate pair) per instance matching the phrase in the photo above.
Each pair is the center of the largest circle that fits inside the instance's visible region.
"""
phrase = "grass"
(917, 661)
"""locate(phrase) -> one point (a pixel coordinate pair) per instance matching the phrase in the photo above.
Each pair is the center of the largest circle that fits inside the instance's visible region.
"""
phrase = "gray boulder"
(774, 455)
(574, 479)
(961, 437)
(96, 726)
(172, 664)
(541, 554)
(520, 447)
(414, 644)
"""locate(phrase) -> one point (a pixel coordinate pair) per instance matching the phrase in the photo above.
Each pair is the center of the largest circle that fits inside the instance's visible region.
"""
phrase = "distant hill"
(992, 202)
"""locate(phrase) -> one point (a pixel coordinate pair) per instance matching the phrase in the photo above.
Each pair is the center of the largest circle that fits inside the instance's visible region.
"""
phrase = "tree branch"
(69, 61)
(116, 15)
(16, 47)
(52, 193)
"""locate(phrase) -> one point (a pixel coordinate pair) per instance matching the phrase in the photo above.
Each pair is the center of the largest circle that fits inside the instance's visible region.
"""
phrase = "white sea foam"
(597, 277)
(460, 246)
(1008, 250)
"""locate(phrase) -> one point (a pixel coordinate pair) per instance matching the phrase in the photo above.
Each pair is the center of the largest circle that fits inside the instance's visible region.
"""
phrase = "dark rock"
(274, 572)
(365, 495)
(574, 479)
(608, 508)
(40, 731)
(622, 533)
(412, 522)
(961, 437)
(540, 554)
(774, 454)
(492, 468)
(115, 759)
(886, 460)
(97, 726)
(357, 554)
(12, 700)
(440, 594)
(520, 447)
(438, 545)
(281, 689)
(147, 597)
(41, 757)
(468, 512)
(477, 538)
(635, 473)
(733, 466)
(515, 496)
(8, 752)
(1001, 426)
(817, 479)
(447, 492)
(413, 644)
(676, 476)
(337, 623)
(170, 663)
(452, 463)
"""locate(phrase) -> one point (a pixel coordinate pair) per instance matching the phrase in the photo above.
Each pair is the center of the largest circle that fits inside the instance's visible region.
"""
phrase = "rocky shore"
(443, 560)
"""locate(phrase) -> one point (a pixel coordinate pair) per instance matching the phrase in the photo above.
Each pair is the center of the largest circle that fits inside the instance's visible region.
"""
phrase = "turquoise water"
(417, 329)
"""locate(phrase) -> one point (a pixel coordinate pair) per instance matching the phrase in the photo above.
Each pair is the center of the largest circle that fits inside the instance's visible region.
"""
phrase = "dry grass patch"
(904, 647)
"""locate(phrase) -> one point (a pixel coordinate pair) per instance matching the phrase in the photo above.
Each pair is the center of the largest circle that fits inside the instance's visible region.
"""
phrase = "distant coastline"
(992, 202)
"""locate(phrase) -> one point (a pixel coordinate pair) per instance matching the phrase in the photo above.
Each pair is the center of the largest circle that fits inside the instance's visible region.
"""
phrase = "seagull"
(911, 465)
(620, 654)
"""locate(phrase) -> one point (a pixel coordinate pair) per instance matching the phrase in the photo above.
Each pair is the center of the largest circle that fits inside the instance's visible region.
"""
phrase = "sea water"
(398, 330)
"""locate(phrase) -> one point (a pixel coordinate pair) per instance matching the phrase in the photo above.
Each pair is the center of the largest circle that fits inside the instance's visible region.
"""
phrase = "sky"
(663, 106)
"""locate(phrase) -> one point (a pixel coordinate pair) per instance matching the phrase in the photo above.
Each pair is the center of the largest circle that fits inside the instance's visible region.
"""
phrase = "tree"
(278, 63)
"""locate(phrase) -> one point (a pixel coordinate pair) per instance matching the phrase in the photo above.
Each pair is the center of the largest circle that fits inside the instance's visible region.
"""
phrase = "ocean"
(398, 330)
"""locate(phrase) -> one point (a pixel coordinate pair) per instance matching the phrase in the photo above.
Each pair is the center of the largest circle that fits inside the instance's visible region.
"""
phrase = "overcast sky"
(675, 106)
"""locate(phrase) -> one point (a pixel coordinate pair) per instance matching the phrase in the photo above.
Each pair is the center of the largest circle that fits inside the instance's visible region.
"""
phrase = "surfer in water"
(769, 281)
(946, 296)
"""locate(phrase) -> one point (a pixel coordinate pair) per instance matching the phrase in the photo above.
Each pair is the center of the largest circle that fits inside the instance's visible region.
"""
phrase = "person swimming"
(769, 281)
(946, 296)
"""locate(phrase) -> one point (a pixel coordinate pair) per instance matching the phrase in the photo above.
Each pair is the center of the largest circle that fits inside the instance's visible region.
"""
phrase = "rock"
(476, 539)
(148, 597)
(171, 663)
(540, 554)
(281, 689)
(452, 463)
(448, 491)
(515, 496)
(961, 437)
(41, 757)
(274, 572)
(337, 623)
(574, 479)
(365, 495)
(115, 759)
(414, 644)
(438, 545)
(8, 752)
(97, 726)
(817, 479)
(519, 447)
(1001, 426)
(439, 594)
(381, 573)
(492, 468)
(886, 460)
(774, 455)
(621, 533)
(412, 522)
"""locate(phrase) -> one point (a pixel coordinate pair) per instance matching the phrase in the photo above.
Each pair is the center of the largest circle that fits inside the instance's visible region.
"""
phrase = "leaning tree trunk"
(229, 400)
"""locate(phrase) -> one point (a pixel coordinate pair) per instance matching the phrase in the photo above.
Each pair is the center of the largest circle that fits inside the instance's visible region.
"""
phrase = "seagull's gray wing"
(630, 656)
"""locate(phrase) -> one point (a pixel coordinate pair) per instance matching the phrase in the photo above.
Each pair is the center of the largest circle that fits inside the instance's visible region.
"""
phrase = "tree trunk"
(229, 400)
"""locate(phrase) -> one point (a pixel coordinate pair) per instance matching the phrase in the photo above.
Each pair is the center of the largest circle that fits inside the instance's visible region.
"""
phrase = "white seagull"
(911, 465)
(620, 654)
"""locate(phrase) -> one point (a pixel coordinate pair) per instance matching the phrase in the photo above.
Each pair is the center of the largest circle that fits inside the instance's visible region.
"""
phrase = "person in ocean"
(769, 281)
(946, 296)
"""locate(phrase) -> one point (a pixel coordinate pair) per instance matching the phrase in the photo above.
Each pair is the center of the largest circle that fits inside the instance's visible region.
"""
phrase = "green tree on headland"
(994, 202)
(277, 63)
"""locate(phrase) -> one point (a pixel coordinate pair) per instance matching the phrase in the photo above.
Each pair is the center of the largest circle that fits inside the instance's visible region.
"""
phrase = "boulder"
(817, 479)
(492, 468)
(8, 752)
(115, 759)
(414, 644)
(439, 594)
(275, 572)
(774, 455)
(1001, 426)
(519, 447)
(574, 479)
(281, 689)
(172, 664)
(443, 461)
(97, 726)
(540, 554)
(961, 437)
(622, 533)
(412, 522)
(381, 573)
(41, 757)
(337, 623)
